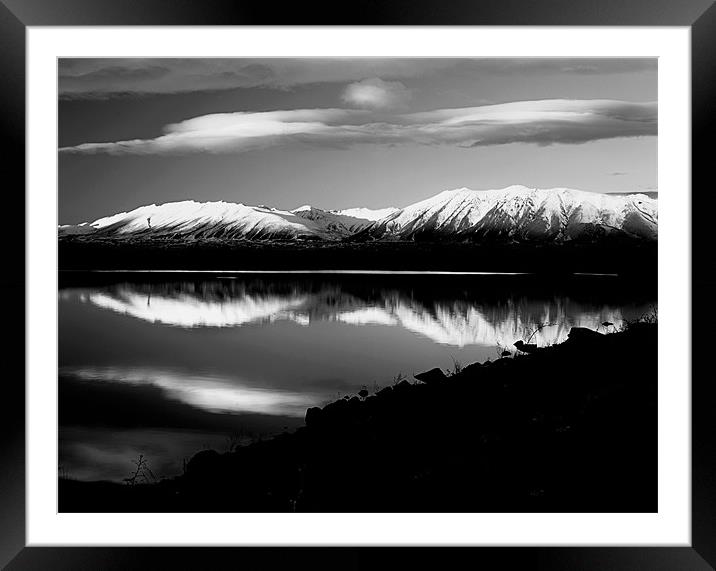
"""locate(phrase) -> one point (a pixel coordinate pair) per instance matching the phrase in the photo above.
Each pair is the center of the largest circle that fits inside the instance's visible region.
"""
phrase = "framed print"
(302, 285)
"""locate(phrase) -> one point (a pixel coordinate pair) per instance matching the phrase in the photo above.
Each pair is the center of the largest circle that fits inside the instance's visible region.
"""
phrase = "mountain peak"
(520, 213)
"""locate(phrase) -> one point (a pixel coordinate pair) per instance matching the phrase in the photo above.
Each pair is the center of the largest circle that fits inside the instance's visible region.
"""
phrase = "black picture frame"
(17, 15)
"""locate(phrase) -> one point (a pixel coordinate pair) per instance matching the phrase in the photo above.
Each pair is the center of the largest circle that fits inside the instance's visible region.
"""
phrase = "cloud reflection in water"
(210, 393)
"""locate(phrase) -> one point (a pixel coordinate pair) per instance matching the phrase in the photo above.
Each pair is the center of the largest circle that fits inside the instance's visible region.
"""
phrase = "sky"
(339, 133)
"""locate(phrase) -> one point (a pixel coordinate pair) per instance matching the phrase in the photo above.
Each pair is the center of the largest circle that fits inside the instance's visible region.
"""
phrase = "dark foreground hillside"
(619, 256)
(570, 428)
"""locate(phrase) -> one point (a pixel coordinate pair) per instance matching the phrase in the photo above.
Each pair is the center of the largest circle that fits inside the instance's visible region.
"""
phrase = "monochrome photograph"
(357, 285)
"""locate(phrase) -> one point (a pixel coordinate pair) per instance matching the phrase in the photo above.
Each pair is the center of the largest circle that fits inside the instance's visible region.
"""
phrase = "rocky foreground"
(567, 428)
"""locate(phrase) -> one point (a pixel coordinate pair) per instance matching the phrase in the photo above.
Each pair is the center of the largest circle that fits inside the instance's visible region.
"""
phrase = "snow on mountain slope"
(521, 213)
(332, 220)
(74, 229)
(189, 219)
(514, 213)
(367, 213)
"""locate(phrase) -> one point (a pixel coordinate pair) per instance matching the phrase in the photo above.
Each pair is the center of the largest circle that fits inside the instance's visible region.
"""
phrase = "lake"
(167, 364)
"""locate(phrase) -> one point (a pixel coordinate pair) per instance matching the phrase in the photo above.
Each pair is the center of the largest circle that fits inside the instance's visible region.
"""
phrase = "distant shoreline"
(623, 257)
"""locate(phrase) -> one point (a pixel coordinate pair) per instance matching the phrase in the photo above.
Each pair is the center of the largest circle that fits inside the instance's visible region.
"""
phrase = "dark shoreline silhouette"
(621, 256)
(568, 428)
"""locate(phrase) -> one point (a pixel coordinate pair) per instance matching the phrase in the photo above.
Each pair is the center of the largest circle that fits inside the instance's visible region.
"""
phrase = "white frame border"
(670, 526)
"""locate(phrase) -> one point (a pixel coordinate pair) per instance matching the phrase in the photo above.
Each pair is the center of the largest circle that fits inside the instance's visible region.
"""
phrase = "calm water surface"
(165, 365)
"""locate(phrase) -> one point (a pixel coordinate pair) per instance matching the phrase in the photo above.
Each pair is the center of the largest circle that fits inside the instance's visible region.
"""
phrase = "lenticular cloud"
(544, 122)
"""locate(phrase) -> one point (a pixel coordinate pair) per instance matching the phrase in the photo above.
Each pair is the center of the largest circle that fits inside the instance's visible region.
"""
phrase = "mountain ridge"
(514, 213)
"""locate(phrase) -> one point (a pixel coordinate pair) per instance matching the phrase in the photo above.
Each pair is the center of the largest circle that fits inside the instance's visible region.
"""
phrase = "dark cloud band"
(105, 78)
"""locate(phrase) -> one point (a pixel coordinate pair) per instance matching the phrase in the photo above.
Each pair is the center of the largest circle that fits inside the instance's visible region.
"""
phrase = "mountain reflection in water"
(164, 367)
(456, 322)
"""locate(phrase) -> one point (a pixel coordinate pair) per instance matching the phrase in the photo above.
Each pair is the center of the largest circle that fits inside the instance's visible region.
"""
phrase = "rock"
(525, 347)
(313, 415)
(582, 334)
(402, 385)
(334, 408)
(201, 461)
(431, 376)
(471, 369)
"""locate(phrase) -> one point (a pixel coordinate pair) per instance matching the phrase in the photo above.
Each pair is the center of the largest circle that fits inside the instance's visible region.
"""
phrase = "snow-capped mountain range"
(515, 213)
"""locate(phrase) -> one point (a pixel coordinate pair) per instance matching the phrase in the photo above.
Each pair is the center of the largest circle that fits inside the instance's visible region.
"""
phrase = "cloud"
(232, 132)
(543, 122)
(81, 78)
(104, 78)
(375, 93)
